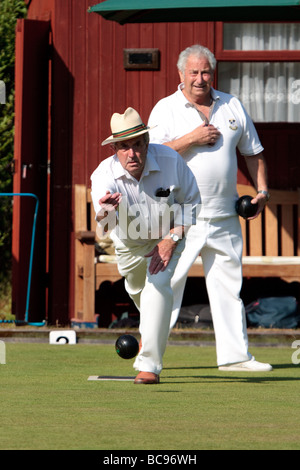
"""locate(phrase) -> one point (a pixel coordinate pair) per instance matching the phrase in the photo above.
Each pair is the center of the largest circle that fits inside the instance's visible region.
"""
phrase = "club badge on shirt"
(232, 125)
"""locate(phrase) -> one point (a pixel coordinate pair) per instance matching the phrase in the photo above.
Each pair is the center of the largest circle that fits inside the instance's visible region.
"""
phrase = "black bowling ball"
(245, 208)
(127, 346)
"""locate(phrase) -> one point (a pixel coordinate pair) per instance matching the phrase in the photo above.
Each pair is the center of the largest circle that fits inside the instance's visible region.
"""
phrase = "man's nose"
(200, 78)
(131, 152)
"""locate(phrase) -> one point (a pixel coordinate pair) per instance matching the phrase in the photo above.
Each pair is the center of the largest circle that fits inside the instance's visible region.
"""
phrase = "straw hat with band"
(126, 126)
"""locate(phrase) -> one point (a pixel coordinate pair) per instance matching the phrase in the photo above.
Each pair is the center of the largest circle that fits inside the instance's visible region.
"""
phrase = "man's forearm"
(258, 171)
(180, 145)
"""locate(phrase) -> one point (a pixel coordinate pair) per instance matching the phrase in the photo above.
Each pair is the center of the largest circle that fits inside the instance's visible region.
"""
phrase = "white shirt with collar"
(215, 167)
(164, 168)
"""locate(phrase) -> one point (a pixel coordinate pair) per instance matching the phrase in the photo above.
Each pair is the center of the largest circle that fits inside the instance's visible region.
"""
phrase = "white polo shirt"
(215, 167)
(145, 212)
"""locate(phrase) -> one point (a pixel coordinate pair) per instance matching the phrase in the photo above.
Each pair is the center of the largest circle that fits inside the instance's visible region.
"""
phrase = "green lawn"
(48, 402)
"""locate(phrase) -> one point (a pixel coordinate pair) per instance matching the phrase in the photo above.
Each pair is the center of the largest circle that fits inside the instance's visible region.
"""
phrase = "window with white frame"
(268, 84)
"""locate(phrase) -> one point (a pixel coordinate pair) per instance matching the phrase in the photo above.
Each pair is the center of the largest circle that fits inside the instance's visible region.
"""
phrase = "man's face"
(132, 155)
(197, 78)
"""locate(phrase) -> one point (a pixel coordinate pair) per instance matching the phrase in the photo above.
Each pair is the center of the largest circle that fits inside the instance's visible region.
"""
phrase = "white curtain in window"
(270, 91)
(262, 36)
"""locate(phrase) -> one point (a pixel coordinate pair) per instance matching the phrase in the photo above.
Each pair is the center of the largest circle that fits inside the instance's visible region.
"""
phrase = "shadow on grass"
(277, 366)
(231, 376)
(213, 379)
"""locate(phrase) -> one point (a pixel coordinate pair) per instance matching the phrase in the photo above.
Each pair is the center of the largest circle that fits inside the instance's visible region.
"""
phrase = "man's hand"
(205, 135)
(202, 135)
(261, 200)
(161, 255)
(108, 203)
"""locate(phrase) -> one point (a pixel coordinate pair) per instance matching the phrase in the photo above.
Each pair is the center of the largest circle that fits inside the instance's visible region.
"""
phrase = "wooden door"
(30, 166)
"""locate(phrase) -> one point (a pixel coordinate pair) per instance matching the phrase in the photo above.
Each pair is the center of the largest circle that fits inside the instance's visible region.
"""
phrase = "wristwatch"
(265, 193)
(174, 237)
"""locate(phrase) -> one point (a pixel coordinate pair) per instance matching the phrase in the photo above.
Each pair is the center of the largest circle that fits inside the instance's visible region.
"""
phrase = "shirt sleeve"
(188, 196)
(249, 143)
(159, 117)
(101, 182)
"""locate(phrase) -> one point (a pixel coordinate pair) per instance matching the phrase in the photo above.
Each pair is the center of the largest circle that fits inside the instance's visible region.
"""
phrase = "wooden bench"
(271, 246)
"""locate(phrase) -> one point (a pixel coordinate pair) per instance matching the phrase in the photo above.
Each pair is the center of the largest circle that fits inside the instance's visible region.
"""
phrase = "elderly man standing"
(206, 127)
(147, 197)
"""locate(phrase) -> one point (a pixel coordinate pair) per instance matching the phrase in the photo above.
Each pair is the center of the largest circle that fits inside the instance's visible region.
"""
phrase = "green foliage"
(10, 10)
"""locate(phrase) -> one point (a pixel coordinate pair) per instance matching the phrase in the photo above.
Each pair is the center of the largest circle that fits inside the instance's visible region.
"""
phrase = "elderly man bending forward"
(146, 197)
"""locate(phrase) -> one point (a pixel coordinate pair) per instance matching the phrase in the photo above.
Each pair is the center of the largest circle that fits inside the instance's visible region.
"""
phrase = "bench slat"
(271, 230)
(255, 237)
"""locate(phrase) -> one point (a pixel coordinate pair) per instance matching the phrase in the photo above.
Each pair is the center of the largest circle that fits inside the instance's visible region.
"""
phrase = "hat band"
(128, 132)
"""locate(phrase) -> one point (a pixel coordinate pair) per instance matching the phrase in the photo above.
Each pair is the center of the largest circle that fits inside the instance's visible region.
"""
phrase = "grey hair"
(197, 51)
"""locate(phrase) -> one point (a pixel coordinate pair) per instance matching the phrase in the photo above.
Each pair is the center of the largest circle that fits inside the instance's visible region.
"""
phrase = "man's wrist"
(265, 192)
(175, 234)
(174, 237)
(101, 215)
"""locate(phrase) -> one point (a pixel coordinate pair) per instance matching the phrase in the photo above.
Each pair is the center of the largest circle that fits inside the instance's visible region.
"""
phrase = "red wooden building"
(71, 76)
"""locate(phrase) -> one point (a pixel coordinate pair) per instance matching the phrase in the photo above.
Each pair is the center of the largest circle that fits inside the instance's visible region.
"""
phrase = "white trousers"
(153, 296)
(220, 243)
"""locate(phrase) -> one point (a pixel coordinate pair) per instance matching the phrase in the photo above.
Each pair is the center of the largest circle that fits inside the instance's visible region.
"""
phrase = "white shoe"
(247, 366)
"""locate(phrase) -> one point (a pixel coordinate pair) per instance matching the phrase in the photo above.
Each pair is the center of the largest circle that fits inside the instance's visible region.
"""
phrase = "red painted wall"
(87, 84)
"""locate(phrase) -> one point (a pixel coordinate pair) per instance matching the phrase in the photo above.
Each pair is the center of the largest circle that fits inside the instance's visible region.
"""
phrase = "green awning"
(157, 11)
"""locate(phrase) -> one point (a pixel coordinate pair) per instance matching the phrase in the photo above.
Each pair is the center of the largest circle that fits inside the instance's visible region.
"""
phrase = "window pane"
(270, 91)
(261, 36)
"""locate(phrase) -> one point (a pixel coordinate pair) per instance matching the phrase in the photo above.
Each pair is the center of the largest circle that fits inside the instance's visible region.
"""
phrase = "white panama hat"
(126, 126)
